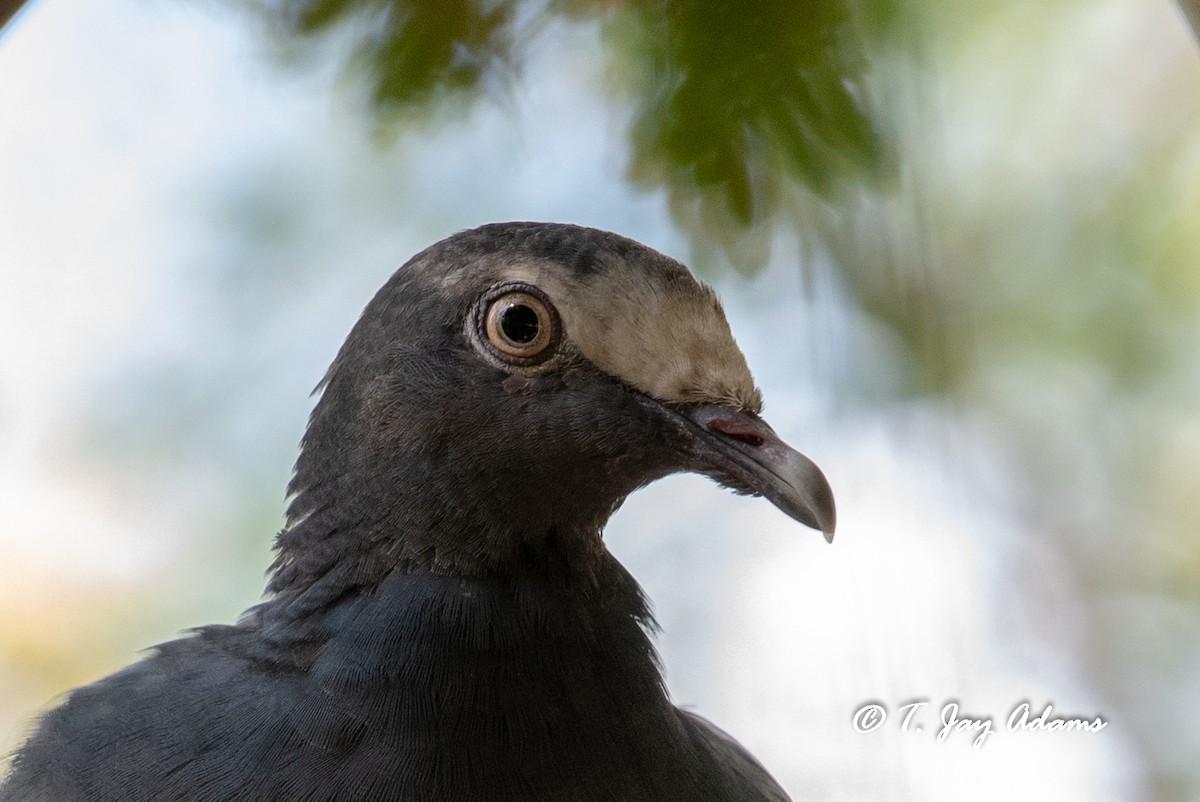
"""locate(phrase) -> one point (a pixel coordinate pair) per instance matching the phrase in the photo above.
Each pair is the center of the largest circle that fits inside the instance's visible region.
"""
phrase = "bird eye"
(520, 325)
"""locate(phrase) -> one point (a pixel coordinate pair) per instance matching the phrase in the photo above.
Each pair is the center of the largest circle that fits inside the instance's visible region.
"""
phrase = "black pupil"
(519, 324)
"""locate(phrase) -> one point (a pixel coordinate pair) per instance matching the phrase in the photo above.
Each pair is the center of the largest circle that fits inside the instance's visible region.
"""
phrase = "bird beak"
(739, 450)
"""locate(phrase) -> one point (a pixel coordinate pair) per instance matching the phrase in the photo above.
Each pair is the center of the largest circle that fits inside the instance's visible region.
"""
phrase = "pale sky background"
(126, 126)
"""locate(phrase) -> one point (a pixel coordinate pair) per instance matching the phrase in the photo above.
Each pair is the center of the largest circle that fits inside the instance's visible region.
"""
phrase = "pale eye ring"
(520, 324)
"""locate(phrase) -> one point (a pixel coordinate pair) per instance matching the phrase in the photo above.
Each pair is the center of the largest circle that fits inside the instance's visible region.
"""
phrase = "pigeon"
(442, 619)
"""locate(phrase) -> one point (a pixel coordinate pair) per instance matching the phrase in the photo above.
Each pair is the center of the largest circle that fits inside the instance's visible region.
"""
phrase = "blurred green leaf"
(413, 52)
(740, 97)
(733, 104)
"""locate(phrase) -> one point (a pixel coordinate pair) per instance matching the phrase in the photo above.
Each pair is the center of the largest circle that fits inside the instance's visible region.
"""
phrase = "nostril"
(732, 429)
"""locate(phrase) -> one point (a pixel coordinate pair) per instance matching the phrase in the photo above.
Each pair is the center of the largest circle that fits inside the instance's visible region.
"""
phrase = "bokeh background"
(958, 241)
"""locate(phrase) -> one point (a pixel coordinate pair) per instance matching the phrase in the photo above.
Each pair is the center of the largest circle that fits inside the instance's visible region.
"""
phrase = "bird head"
(505, 391)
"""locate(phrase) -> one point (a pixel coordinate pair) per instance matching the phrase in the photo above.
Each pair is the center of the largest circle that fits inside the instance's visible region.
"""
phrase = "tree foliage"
(733, 104)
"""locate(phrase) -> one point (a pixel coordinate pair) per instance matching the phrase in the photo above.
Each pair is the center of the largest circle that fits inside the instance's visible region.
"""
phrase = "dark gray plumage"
(443, 621)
